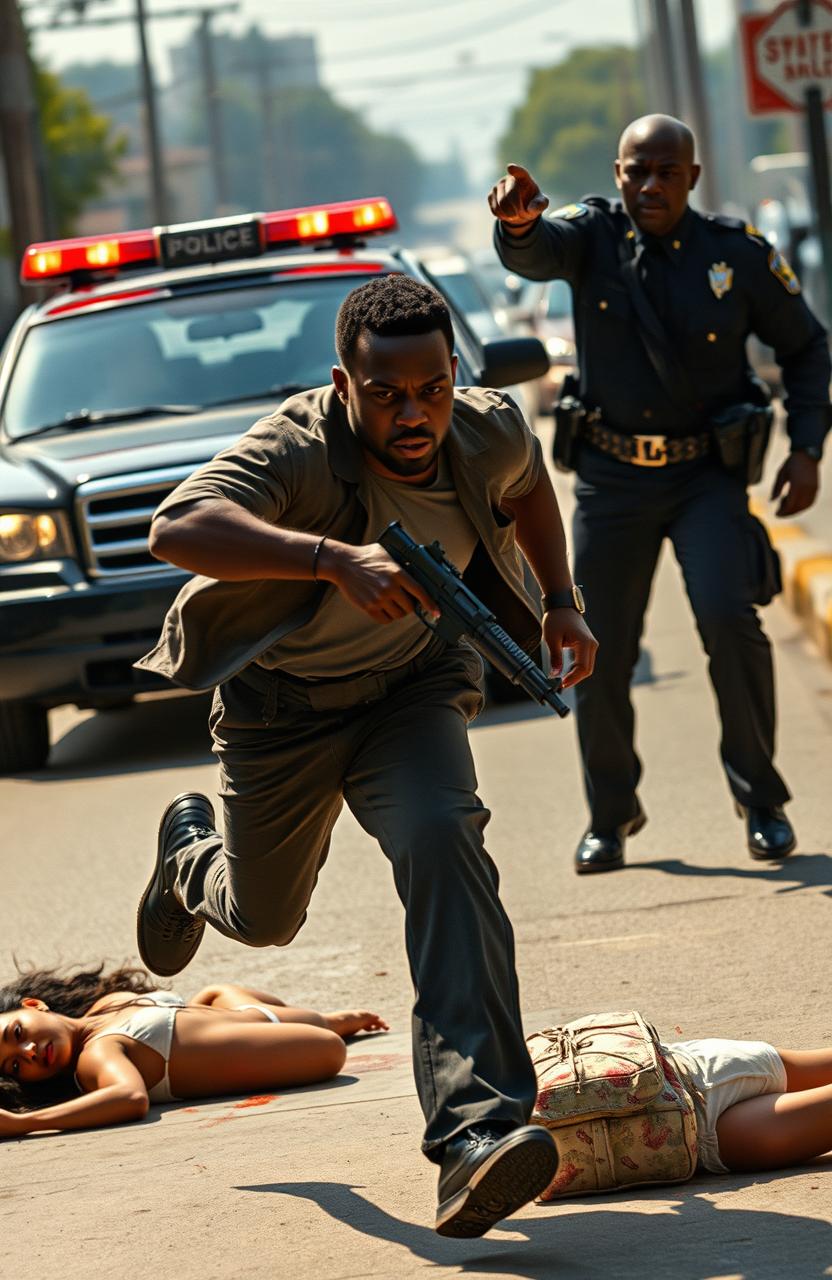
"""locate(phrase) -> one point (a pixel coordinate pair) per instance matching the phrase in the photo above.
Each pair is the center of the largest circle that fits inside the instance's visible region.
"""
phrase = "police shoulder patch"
(779, 267)
(755, 234)
(570, 211)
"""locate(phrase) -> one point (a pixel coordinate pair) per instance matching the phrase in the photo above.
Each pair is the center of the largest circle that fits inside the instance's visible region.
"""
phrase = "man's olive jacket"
(300, 468)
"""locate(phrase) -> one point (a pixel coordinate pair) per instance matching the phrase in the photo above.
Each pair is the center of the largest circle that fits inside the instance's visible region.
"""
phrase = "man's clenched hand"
(373, 581)
(566, 629)
(517, 200)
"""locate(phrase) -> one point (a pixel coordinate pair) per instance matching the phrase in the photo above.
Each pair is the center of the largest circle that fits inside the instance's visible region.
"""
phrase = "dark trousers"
(623, 515)
(395, 747)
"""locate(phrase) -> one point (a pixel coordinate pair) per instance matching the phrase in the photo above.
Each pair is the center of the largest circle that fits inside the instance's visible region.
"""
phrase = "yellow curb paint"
(784, 533)
(803, 573)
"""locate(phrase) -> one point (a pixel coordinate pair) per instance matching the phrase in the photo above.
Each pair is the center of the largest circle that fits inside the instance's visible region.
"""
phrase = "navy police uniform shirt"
(712, 281)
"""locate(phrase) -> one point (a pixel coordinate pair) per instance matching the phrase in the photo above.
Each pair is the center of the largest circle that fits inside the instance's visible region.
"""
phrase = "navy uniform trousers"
(623, 515)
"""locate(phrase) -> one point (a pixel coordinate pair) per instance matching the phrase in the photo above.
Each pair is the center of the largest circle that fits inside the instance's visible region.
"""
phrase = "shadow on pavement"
(687, 1237)
(163, 734)
(801, 870)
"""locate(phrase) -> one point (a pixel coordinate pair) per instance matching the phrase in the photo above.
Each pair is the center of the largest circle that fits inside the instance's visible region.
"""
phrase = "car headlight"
(30, 536)
(558, 348)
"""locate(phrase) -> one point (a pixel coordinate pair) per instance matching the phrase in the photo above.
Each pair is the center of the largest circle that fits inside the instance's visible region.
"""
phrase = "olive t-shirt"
(341, 639)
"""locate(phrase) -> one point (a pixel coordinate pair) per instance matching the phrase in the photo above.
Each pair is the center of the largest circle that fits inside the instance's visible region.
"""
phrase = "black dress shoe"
(604, 850)
(488, 1174)
(770, 834)
(168, 935)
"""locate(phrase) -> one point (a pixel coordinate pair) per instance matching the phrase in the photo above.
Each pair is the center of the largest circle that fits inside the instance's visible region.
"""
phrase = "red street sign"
(783, 59)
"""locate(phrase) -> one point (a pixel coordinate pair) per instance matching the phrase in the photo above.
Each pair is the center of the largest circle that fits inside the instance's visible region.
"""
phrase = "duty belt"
(646, 451)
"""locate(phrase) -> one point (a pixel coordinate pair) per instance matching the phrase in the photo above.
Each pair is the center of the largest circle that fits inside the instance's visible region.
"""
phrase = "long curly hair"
(71, 993)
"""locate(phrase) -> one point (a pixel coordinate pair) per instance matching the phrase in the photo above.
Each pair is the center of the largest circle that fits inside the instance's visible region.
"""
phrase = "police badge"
(720, 278)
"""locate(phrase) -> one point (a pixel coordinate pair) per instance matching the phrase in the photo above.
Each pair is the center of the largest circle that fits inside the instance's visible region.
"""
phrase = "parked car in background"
(158, 349)
(545, 310)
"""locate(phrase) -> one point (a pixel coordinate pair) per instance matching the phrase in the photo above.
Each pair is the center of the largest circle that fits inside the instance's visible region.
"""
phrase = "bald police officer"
(664, 300)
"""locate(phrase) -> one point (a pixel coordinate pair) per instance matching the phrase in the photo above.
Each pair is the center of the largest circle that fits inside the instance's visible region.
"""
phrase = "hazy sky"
(441, 72)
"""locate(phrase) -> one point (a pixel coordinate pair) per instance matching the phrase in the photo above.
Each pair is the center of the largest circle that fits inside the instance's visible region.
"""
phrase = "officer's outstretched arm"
(538, 248)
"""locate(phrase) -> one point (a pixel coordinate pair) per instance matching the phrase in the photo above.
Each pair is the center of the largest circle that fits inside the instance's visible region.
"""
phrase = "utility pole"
(819, 168)
(264, 84)
(19, 137)
(151, 124)
(160, 202)
(700, 117)
(662, 57)
(213, 113)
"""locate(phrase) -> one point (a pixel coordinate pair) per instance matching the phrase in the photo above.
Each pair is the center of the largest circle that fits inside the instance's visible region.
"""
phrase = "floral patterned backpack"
(614, 1103)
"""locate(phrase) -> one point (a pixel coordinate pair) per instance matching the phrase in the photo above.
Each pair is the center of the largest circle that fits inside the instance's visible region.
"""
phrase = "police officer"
(664, 300)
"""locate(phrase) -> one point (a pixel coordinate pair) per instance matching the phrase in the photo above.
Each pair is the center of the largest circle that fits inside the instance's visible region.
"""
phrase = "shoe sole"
(633, 828)
(160, 844)
(519, 1171)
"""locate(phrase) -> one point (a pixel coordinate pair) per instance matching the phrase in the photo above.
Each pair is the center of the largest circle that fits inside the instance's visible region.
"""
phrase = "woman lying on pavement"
(96, 1048)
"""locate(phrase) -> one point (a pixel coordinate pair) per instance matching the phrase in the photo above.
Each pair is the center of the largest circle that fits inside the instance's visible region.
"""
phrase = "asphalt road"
(330, 1181)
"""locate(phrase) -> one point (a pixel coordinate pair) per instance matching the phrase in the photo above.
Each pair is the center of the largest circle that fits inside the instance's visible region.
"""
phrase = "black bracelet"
(315, 555)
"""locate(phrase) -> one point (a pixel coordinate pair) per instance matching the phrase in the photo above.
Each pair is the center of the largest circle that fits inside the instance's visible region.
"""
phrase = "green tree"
(82, 150)
(566, 132)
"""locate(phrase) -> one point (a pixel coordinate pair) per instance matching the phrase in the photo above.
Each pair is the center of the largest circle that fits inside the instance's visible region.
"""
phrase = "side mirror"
(507, 361)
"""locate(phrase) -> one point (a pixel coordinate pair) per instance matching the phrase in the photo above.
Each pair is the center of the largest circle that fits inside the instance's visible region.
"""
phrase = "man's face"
(399, 397)
(655, 175)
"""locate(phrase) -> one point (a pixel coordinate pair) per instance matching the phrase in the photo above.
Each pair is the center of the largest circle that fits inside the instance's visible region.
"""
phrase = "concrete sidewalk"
(329, 1182)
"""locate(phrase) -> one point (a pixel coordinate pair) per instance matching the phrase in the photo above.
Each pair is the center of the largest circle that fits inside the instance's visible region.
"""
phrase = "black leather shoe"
(168, 935)
(604, 850)
(488, 1174)
(770, 834)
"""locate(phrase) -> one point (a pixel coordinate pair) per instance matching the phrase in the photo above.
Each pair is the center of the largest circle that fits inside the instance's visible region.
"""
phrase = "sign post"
(788, 67)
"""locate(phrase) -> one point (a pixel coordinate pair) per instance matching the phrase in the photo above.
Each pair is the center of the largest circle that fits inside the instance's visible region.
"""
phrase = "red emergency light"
(214, 240)
(352, 218)
(87, 255)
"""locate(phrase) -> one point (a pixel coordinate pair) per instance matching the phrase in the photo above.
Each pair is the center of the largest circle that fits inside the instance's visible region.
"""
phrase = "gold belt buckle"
(651, 451)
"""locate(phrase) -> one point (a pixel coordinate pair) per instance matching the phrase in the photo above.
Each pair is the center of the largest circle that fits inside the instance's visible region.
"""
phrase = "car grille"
(114, 521)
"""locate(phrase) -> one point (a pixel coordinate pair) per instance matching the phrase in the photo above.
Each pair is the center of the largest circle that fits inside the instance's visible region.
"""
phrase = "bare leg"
(807, 1068)
(345, 1022)
(776, 1129)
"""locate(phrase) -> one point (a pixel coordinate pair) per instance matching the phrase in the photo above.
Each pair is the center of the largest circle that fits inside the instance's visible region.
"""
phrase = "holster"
(569, 416)
(741, 434)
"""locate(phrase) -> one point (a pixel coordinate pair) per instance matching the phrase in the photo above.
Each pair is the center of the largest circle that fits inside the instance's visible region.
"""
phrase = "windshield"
(194, 350)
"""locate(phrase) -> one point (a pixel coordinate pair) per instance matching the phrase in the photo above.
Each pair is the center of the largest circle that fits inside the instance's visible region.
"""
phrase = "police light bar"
(87, 255)
(353, 219)
(215, 240)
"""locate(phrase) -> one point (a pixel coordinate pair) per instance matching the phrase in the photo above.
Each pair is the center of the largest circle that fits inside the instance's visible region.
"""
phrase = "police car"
(154, 350)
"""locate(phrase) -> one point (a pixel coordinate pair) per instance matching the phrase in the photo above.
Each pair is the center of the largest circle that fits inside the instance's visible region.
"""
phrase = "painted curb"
(807, 575)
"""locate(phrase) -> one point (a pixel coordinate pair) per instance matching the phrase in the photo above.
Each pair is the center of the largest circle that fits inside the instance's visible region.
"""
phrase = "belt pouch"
(766, 572)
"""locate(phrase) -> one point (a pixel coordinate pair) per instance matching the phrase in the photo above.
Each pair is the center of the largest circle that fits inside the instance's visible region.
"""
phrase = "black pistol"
(462, 614)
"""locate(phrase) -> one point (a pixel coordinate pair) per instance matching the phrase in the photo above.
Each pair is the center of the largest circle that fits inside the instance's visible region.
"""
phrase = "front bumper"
(76, 644)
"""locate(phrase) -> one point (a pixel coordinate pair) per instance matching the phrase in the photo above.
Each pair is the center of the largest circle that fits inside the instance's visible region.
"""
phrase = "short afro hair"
(390, 306)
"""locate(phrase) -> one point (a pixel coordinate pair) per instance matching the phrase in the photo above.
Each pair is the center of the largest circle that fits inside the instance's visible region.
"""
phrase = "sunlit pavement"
(330, 1181)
